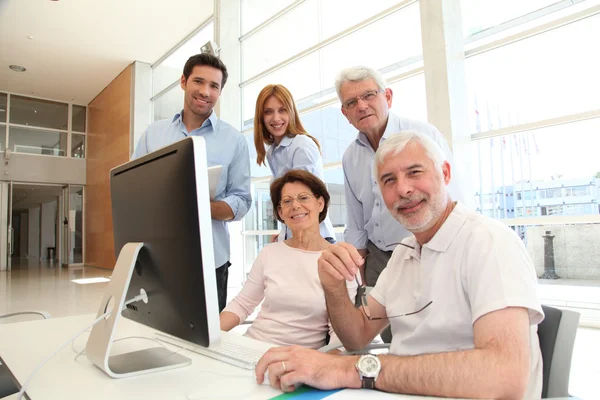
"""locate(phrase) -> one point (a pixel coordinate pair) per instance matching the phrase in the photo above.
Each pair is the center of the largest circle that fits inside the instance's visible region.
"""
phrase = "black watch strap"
(368, 383)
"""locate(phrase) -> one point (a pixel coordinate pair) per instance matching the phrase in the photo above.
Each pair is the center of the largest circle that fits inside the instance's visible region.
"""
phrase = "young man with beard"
(203, 79)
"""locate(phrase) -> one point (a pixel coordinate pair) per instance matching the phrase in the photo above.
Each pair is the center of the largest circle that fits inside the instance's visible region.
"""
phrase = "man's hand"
(338, 262)
(221, 211)
(288, 367)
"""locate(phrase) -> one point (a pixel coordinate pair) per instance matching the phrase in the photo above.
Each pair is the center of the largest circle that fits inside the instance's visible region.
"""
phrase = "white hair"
(358, 74)
(394, 144)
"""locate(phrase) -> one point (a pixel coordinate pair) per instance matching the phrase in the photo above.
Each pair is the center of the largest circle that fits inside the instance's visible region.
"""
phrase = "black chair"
(557, 338)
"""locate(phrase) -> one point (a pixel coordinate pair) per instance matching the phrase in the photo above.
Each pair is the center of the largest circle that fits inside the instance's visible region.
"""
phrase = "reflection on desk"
(25, 344)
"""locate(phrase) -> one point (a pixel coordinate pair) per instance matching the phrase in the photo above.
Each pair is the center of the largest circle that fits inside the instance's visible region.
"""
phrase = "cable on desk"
(62, 346)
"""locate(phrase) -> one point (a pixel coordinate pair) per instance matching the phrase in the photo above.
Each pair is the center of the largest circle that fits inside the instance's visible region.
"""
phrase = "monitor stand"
(101, 338)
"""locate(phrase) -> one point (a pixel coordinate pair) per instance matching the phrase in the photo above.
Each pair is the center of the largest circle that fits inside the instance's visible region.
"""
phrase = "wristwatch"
(368, 367)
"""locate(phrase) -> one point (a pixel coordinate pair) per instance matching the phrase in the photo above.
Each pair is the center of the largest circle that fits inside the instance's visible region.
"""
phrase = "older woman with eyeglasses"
(284, 274)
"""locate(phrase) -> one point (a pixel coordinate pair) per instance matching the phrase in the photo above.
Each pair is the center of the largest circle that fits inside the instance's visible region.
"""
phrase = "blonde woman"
(281, 140)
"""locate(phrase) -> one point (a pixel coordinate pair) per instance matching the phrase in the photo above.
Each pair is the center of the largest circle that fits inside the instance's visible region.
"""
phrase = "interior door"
(66, 255)
(11, 232)
(6, 231)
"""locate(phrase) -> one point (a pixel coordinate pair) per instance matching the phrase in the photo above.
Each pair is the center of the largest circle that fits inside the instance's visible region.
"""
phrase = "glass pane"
(334, 178)
(331, 129)
(2, 136)
(77, 146)
(255, 12)
(352, 49)
(535, 174)
(574, 247)
(409, 97)
(76, 225)
(280, 40)
(555, 75)
(168, 104)
(23, 140)
(300, 77)
(3, 100)
(254, 244)
(255, 170)
(335, 19)
(78, 123)
(35, 112)
(261, 216)
(171, 69)
(478, 15)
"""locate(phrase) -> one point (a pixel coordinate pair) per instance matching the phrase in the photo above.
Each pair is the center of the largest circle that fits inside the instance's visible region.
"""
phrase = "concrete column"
(229, 109)
(141, 105)
(445, 80)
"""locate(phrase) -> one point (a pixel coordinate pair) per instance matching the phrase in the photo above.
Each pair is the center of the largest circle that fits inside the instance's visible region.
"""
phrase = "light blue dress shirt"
(368, 217)
(225, 146)
(299, 152)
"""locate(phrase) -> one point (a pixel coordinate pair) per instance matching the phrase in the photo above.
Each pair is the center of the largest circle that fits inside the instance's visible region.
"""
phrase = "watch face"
(369, 366)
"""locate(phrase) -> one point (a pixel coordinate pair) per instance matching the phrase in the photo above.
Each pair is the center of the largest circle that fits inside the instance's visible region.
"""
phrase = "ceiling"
(31, 196)
(78, 47)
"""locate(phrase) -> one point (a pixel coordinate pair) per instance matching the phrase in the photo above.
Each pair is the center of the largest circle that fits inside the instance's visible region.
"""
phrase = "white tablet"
(214, 175)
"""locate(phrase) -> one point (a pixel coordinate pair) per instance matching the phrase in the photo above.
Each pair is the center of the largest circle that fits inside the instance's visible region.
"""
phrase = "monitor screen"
(162, 200)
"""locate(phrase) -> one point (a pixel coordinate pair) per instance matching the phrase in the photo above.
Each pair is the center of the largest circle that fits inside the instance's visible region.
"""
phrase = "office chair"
(44, 314)
(557, 338)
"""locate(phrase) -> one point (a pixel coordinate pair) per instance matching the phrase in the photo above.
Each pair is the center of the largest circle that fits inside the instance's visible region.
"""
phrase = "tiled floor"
(35, 285)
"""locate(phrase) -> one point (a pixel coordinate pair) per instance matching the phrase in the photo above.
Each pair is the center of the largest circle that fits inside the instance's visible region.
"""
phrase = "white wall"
(48, 225)
(34, 233)
(43, 169)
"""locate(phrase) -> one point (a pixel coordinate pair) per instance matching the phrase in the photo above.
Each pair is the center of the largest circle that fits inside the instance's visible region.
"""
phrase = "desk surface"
(23, 345)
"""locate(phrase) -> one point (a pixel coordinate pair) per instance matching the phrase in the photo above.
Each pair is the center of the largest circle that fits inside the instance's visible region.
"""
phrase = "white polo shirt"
(472, 266)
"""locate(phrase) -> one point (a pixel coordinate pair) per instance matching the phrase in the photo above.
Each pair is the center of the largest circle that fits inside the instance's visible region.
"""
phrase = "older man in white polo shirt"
(460, 296)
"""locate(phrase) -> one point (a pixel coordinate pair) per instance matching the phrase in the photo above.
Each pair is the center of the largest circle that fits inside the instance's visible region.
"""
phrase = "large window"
(535, 118)
(541, 77)
(333, 38)
(166, 73)
(532, 85)
(42, 127)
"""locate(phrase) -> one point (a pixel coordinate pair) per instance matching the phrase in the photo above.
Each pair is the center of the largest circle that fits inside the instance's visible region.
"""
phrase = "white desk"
(23, 345)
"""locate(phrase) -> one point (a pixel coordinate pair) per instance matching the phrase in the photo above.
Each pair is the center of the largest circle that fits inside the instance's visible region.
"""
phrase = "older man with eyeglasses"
(366, 103)
(460, 296)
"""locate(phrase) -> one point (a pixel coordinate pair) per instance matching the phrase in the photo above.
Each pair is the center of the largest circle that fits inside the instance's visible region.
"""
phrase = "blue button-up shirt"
(299, 152)
(368, 217)
(225, 146)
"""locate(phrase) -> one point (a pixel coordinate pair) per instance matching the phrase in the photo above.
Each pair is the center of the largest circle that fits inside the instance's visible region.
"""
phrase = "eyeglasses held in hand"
(362, 298)
(302, 198)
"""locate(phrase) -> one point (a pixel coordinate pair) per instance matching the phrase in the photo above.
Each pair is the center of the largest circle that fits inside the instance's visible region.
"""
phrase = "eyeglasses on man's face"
(302, 198)
(366, 97)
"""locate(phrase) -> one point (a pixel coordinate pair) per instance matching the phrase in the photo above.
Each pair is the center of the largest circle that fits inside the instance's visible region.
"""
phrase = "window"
(537, 161)
(79, 118)
(168, 104)
(255, 12)
(169, 70)
(77, 145)
(550, 75)
(40, 113)
(36, 141)
(479, 15)
(3, 106)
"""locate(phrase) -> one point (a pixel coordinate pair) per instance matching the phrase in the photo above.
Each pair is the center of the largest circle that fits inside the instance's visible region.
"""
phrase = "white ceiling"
(31, 196)
(80, 46)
